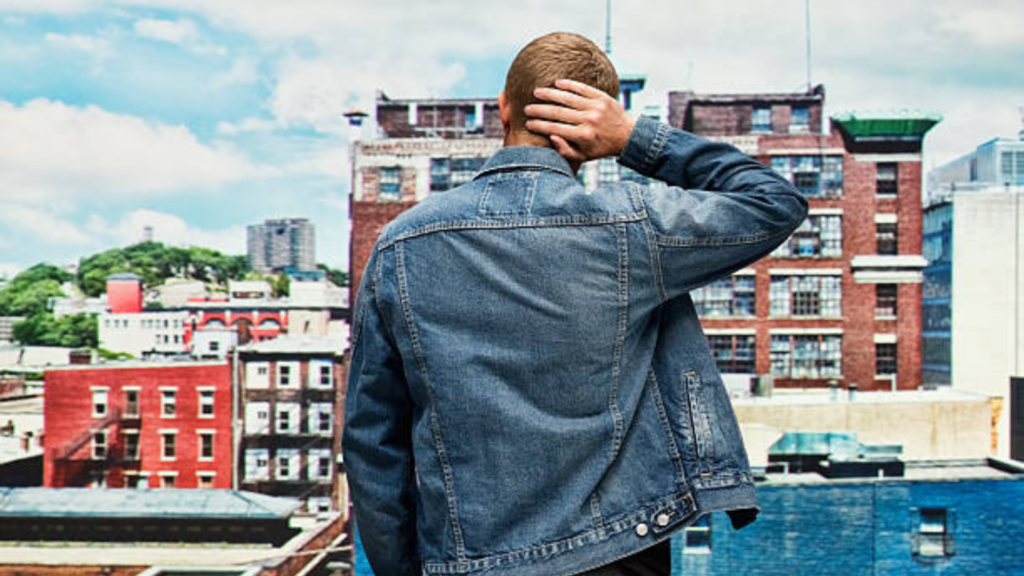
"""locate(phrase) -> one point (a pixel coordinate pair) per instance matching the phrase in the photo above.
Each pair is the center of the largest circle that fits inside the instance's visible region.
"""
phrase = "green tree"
(280, 285)
(339, 277)
(29, 292)
(74, 331)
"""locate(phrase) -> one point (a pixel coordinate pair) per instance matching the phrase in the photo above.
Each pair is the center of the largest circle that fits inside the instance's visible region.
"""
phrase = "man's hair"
(549, 58)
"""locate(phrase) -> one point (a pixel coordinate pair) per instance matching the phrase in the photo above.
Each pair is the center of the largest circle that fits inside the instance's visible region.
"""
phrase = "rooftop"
(918, 471)
(824, 397)
(299, 344)
(887, 124)
(163, 503)
(184, 361)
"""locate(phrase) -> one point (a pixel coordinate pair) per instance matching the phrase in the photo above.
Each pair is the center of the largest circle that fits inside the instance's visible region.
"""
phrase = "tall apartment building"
(973, 308)
(292, 396)
(138, 425)
(279, 244)
(426, 146)
(840, 299)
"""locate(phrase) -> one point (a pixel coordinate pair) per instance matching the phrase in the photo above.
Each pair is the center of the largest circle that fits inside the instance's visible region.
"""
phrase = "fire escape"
(64, 456)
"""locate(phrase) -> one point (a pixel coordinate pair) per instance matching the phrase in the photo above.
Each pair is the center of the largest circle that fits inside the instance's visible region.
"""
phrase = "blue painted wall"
(867, 529)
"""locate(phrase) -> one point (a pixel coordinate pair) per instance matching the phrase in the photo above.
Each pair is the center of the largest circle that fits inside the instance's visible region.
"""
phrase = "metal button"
(641, 529)
(662, 519)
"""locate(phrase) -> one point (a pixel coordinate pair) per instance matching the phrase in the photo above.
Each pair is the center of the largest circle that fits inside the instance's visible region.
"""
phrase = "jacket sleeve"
(376, 441)
(721, 211)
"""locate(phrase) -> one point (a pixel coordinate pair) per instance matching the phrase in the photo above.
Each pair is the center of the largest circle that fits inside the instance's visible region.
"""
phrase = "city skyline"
(200, 118)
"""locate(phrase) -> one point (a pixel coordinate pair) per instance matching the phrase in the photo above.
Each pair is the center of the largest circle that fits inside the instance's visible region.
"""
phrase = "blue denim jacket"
(531, 392)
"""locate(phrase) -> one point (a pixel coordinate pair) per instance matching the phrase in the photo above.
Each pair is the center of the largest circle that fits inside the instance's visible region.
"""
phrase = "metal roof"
(887, 124)
(124, 276)
(299, 344)
(160, 503)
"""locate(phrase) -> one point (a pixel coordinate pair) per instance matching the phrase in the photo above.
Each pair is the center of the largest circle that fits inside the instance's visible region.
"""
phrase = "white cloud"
(169, 229)
(88, 44)
(242, 71)
(51, 150)
(178, 32)
(23, 224)
(246, 125)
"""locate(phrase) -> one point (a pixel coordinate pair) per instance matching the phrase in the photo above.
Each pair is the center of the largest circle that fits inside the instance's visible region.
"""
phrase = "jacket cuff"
(645, 144)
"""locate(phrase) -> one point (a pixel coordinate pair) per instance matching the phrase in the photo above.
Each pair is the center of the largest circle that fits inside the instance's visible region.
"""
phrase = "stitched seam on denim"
(482, 207)
(620, 337)
(541, 551)
(595, 511)
(660, 138)
(435, 427)
(357, 326)
(376, 296)
(674, 242)
(654, 253)
(543, 222)
(673, 448)
(698, 421)
(511, 167)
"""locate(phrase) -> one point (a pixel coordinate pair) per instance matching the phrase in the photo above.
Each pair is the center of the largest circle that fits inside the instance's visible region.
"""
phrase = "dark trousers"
(653, 561)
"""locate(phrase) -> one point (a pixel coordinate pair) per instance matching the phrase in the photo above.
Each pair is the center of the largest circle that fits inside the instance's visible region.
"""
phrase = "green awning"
(897, 125)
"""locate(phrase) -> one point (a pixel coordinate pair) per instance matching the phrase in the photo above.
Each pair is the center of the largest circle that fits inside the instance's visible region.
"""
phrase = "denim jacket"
(530, 391)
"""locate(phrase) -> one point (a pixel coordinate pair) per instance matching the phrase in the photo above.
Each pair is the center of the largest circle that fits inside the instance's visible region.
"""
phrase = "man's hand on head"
(583, 123)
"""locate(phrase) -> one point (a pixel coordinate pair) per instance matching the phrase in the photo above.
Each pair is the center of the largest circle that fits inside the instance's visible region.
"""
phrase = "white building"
(144, 333)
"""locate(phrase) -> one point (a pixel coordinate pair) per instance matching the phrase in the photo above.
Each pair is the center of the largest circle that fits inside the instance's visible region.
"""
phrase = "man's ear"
(504, 111)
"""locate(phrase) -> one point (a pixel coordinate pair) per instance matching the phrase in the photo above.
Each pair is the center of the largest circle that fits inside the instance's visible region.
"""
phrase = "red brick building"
(138, 425)
(841, 300)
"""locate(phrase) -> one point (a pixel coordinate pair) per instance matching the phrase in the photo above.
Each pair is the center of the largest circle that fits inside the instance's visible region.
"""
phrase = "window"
(697, 536)
(814, 176)
(885, 300)
(167, 480)
(134, 479)
(214, 346)
(99, 445)
(885, 238)
(321, 416)
(733, 353)
(287, 418)
(819, 236)
(886, 179)
(99, 402)
(131, 403)
(885, 359)
(206, 479)
(806, 296)
(390, 183)
(934, 533)
(607, 171)
(440, 174)
(206, 445)
(287, 375)
(168, 448)
(206, 403)
(806, 356)
(799, 120)
(287, 464)
(318, 504)
(257, 418)
(1012, 166)
(761, 119)
(168, 403)
(257, 465)
(463, 169)
(131, 444)
(732, 296)
(319, 463)
(321, 374)
(257, 375)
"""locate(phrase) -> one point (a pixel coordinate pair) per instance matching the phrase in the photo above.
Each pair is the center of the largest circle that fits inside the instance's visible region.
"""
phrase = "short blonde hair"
(549, 58)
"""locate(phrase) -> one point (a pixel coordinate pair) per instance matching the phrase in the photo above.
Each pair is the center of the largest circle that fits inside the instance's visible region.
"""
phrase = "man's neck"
(525, 138)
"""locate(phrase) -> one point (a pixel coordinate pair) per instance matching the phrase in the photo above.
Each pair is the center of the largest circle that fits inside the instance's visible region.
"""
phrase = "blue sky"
(198, 117)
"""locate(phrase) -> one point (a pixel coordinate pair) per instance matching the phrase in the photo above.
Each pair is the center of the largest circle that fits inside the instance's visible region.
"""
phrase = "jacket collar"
(526, 157)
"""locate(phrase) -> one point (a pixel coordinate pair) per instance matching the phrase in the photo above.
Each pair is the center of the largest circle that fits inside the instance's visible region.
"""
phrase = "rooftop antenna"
(608, 27)
(807, 23)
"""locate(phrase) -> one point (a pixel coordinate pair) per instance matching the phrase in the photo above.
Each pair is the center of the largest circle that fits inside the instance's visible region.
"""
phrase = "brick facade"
(70, 420)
